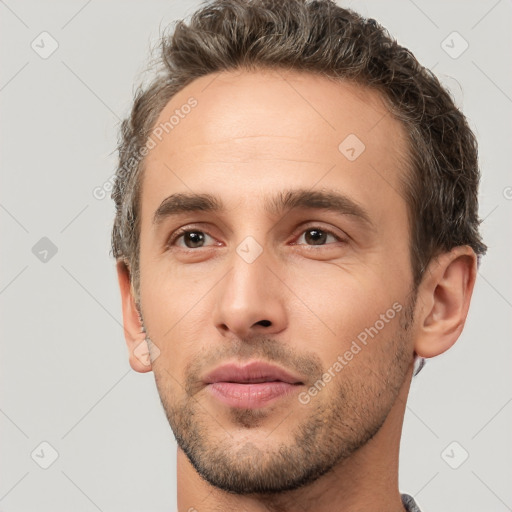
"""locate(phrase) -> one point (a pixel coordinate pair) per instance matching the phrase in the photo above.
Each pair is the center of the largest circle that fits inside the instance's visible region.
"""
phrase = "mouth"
(254, 385)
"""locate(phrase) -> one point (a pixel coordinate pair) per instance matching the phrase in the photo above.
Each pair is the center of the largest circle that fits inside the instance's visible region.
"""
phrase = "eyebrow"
(279, 204)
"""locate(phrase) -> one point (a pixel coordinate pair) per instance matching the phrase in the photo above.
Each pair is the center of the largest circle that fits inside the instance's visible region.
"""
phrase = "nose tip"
(249, 299)
(239, 328)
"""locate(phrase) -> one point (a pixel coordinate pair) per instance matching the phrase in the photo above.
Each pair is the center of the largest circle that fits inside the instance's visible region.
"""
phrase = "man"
(296, 230)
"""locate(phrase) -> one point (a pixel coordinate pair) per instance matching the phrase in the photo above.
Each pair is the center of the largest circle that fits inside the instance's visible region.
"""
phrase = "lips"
(252, 386)
(251, 373)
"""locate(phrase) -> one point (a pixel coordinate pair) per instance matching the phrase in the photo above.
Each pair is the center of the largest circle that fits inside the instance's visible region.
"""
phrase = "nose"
(251, 298)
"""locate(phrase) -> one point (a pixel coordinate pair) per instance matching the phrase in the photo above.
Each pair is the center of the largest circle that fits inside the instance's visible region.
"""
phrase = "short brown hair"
(318, 37)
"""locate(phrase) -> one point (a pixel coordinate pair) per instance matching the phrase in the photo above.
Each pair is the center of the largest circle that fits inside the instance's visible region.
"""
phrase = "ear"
(443, 299)
(138, 349)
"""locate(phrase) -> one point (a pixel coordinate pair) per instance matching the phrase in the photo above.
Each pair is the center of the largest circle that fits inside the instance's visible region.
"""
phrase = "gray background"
(64, 374)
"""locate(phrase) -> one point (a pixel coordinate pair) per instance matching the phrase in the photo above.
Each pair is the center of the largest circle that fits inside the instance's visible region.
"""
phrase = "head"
(328, 187)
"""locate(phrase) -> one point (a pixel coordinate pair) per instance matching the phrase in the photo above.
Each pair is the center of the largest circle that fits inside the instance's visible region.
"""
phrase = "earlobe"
(445, 294)
(135, 338)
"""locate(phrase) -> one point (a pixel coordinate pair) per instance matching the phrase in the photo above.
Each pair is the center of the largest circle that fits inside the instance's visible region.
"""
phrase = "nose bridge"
(249, 272)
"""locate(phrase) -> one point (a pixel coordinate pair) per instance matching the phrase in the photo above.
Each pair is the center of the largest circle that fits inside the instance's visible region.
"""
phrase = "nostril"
(265, 323)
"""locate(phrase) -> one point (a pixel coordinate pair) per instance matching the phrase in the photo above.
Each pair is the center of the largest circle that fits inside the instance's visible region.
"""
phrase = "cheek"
(342, 306)
(176, 308)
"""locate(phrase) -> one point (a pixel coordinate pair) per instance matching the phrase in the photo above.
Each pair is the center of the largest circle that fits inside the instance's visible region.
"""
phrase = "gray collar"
(409, 503)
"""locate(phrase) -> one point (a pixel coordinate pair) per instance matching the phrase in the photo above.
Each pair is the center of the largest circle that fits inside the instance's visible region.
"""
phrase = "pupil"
(194, 237)
(318, 236)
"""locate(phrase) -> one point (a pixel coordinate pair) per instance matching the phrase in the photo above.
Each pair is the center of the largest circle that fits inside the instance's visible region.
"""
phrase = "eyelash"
(183, 231)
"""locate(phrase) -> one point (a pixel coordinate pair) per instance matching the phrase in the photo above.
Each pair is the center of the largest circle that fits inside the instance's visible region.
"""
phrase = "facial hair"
(338, 423)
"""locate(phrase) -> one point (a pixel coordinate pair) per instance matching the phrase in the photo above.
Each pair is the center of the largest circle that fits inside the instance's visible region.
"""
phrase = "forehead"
(268, 129)
(279, 104)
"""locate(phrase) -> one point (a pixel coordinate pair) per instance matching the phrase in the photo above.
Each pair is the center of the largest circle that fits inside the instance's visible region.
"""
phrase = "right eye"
(192, 238)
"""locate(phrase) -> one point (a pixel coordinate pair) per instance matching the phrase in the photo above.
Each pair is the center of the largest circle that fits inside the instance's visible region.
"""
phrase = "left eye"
(317, 236)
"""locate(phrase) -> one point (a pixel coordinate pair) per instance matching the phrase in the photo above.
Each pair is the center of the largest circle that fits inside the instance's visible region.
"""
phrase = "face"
(295, 254)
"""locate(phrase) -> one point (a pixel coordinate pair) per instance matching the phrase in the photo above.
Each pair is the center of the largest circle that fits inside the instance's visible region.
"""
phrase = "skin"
(251, 135)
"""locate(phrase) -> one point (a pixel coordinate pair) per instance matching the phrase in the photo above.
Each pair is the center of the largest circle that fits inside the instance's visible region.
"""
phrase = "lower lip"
(250, 396)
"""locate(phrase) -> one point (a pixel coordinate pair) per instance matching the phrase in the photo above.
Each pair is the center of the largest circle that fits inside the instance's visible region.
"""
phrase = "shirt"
(409, 503)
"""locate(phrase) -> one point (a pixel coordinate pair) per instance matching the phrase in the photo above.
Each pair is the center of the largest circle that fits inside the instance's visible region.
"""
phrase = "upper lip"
(253, 372)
